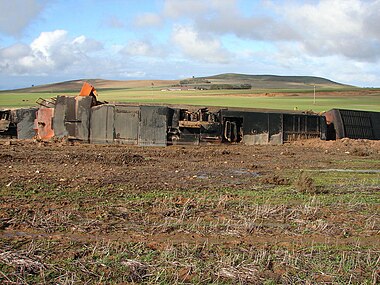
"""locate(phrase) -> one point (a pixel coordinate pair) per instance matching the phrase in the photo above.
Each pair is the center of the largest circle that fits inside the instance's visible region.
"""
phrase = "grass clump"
(305, 184)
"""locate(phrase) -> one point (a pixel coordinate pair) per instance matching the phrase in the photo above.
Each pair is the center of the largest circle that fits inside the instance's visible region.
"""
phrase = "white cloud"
(15, 51)
(142, 48)
(292, 59)
(48, 43)
(15, 15)
(335, 27)
(86, 45)
(338, 39)
(224, 17)
(199, 48)
(133, 74)
(114, 22)
(137, 48)
(327, 27)
(50, 52)
(196, 8)
(148, 20)
(175, 9)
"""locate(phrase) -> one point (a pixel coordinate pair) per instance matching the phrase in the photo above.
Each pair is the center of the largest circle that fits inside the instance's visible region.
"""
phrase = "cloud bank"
(50, 52)
(338, 39)
(15, 15)
(329, 27)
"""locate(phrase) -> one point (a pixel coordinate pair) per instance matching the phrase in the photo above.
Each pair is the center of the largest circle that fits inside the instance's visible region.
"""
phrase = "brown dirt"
(69, 192)
(176, 168)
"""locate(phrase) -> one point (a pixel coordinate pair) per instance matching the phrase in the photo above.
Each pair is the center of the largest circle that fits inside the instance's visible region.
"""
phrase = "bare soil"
(225, 214)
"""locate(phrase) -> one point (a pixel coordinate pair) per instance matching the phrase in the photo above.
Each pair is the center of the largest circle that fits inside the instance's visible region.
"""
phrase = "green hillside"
(265, 81)
(268, 91)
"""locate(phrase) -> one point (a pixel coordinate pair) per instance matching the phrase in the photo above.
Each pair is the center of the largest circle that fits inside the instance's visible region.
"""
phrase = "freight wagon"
(85, 119)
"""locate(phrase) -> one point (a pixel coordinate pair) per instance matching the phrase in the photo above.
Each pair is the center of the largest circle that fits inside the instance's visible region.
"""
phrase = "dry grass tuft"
(22, 262)
(137, 271)
(305, 184)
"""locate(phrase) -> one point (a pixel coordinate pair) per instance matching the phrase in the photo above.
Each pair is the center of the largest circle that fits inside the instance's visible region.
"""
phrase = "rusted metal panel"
(210, 133)
(153, 126)
(72, 117)
(102, 124)
(18, 123)
(87, 90)
(48, 103)
(194, 127)
(25, 122)
(5, 120)
(43, 123)
(126, 124)
(334, 125)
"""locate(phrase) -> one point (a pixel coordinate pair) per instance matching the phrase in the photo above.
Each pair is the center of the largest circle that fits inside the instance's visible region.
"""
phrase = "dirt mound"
(359, 147)
(73, 157)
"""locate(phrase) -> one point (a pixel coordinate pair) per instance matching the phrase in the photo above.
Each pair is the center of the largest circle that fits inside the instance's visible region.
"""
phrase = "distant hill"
(222, 80)
(266, 81)
(99, 84)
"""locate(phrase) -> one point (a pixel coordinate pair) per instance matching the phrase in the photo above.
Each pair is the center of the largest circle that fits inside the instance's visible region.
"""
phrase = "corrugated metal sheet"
(352, 124)
(357, 124)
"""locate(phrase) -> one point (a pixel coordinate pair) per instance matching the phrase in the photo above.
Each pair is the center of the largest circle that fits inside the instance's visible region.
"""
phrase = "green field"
(292, 100)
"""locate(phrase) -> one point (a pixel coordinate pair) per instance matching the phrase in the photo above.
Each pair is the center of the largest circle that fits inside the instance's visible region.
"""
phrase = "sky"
(46, 41)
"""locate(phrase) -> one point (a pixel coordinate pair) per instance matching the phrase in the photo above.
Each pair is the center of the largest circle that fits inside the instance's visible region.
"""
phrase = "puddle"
(349, 170)
(201, 176)
(243, 171)
(230, 173)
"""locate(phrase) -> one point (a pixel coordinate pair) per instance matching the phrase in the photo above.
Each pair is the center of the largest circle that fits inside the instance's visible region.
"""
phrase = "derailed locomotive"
(85, 119)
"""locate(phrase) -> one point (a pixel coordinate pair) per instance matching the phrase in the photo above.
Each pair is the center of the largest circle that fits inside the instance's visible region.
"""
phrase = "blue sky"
(44, 41)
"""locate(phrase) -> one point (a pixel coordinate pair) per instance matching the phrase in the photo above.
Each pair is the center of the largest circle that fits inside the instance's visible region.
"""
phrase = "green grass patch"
(222, 98)
(136, 263)
(20, 100)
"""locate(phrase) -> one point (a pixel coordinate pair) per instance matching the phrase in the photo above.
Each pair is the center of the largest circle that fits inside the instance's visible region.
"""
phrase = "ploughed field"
(306, 212)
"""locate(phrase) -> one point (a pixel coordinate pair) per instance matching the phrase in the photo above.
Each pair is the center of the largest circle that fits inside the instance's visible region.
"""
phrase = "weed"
(305, 184)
